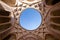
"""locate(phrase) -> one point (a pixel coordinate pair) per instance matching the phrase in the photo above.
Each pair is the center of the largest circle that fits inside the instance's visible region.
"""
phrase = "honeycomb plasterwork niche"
(30, 37)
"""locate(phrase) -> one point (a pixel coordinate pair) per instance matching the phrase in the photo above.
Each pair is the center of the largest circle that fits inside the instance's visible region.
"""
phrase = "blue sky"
(30, 19)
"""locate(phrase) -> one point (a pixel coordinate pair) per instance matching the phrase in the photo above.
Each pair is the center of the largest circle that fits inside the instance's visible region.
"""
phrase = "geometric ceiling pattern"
(10, 11)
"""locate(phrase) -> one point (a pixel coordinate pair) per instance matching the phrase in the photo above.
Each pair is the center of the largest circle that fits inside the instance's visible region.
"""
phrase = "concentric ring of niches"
(21, 7)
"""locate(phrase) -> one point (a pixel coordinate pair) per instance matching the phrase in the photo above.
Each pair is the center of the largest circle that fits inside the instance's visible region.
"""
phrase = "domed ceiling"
(18, 23)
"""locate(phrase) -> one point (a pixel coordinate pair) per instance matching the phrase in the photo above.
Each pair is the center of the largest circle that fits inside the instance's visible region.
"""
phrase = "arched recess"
(5, 23)
(53, 20)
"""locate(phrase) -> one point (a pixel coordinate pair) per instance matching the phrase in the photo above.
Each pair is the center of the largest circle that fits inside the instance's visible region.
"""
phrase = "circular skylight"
(30, 19)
